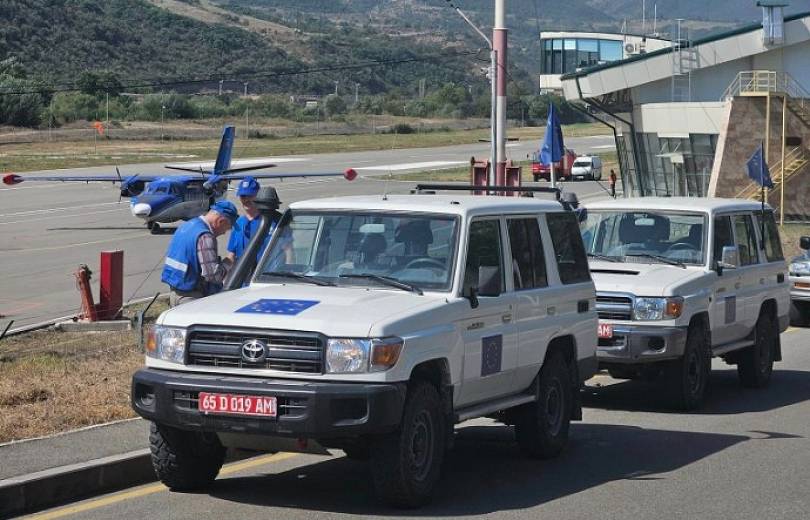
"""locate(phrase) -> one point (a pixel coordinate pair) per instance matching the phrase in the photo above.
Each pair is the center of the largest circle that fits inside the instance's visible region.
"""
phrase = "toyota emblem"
(254, 351)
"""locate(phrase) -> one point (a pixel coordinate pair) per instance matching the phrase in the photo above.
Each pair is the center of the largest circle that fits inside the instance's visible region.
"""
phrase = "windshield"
(582, 163)
(414, 249)
(643, 236)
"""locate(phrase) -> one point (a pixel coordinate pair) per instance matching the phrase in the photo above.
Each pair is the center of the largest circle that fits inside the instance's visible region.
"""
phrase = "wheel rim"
(694, 372)
(420, 445)
(553, 409)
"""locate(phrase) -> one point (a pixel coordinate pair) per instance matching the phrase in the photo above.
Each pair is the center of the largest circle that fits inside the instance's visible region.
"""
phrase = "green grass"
(30, 156)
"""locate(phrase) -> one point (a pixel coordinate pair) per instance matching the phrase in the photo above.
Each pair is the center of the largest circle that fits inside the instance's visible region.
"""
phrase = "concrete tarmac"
(48, 229)
(744, 456)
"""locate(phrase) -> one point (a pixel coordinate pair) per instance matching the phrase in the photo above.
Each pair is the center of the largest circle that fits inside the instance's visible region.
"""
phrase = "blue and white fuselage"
(169, 199)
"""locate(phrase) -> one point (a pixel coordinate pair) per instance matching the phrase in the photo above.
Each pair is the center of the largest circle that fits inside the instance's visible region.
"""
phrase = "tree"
(334, 105)
(98, 83)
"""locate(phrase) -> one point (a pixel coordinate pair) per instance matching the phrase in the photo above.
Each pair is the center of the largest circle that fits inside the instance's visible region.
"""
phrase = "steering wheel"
(677, 246)
(425, 262)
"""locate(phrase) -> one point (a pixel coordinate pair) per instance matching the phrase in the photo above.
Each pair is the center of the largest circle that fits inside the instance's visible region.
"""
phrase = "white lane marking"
(602, 146)
(244, 162)
(80, 244)
(26, 221)
(412, 166)
(513, 145)
(54, 210)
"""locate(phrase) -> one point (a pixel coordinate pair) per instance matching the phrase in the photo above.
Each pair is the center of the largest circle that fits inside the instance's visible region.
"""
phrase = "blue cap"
(248, 187)
(226, 209)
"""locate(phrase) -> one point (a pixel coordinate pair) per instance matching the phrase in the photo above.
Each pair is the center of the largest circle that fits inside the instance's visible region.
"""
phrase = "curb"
(37, 491)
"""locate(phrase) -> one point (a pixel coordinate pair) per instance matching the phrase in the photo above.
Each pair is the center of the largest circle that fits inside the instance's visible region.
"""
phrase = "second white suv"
(680, 280)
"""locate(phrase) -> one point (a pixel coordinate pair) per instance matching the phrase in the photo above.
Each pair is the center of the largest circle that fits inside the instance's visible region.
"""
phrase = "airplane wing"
(349, 175)
(12, 178)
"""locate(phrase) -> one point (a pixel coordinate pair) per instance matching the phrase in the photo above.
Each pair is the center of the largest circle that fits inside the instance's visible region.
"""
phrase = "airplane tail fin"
(225, 150)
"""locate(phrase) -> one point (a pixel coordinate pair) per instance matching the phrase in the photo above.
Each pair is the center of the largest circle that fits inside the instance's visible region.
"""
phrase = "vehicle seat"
(371, 247)
(695, 237)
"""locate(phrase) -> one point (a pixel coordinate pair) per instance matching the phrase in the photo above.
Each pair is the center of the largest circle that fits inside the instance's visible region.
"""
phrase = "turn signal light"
(385, 353)
(151, 340)
(350, 174)
(674, 308)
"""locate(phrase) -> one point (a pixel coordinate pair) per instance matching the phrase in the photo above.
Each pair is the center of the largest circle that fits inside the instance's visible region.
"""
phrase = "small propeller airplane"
(164, 199)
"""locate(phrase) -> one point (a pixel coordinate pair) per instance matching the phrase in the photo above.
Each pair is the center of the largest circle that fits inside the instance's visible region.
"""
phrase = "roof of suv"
(449, 204)
(699, 204)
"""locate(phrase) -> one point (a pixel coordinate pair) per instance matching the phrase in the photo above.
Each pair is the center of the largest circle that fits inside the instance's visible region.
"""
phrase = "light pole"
(245, 84)
(162, 108)
(220, 86)
(493, 116)
(336, 87)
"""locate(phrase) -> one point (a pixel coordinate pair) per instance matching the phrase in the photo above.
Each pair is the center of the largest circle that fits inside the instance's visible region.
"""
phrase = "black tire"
(799, 314)
(688, 377)
(406, 464)
(541, 428)
(185, 461)
(755, 364)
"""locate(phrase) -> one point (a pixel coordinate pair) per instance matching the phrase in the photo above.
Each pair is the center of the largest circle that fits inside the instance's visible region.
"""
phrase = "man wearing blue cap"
(248, 224)
(193, 268)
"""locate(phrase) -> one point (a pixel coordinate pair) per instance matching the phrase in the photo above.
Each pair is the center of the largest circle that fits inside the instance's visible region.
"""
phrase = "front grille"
(287, 406)
(286, 352)
(614, 307)
(614, 342)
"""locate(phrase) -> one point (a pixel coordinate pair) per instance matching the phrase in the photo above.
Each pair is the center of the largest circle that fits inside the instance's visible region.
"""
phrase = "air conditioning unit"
(631, 48)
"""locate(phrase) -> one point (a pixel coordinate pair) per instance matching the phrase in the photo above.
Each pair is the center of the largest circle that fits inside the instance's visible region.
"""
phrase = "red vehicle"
(562, 168)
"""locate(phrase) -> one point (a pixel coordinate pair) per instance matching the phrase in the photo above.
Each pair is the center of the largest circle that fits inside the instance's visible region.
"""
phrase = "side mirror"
(804, 242)
(730, 258)
(489, 281)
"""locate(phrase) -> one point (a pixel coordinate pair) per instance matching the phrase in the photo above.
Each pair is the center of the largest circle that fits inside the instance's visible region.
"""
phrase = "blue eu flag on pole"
(758, 170)
(552, 150)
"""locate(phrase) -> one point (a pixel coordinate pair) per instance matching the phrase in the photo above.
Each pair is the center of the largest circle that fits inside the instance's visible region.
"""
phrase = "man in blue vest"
(193, 268)
(248, 224)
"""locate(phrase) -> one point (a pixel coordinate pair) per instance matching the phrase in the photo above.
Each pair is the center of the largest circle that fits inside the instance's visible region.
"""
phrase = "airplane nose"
(141, 210)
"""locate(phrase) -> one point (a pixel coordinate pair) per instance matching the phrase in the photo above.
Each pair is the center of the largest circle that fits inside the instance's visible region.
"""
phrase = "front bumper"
(633, 344)
(308, 409)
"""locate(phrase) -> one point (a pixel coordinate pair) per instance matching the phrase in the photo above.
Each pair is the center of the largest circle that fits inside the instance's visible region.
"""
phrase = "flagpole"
(762, 199)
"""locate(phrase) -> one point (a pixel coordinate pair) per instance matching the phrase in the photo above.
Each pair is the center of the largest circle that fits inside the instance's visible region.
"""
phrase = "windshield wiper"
(660, 259)
(298, 276)
(385, 280)
(603, 257)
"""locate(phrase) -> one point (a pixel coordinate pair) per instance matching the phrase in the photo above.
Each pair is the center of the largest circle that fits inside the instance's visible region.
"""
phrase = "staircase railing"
(795, 154)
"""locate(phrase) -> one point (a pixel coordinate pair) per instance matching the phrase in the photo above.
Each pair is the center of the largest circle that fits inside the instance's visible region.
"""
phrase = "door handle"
(762, 281)
(551, 311)
(737, 285)
(506, 318)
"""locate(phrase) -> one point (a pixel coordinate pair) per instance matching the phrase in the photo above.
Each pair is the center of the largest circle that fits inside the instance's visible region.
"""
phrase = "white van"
(587, 167)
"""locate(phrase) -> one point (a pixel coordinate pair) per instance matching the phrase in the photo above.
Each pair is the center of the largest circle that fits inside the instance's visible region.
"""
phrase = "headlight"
(166, 343)
(357, 355)
(800, 268)
(648, 309)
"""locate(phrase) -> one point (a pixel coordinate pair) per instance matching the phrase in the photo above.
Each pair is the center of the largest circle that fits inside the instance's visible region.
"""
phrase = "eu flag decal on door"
(273, 306)
(491, 353)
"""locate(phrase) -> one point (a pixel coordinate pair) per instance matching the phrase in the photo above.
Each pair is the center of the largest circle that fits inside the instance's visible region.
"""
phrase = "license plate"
(605, 330)
(235, 404)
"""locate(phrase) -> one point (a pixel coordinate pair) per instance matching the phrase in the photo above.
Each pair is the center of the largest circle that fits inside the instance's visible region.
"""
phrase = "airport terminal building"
(687, 117)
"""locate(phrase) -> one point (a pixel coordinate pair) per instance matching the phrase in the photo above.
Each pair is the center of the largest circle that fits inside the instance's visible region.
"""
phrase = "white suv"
(680, 280)
(373, 325)
(800, 286)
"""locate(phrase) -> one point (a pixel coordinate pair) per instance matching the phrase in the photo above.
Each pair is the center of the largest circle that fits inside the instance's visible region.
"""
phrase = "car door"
(532, 295)
(749, 272)
(724, 309)
(489, 330)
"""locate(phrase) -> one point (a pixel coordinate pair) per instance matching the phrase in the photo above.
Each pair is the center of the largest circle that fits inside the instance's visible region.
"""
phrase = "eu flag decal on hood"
(272, 306)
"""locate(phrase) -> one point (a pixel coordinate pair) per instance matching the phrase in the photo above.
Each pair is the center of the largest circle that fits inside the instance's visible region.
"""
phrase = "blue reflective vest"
(181, 270)
(243, 230)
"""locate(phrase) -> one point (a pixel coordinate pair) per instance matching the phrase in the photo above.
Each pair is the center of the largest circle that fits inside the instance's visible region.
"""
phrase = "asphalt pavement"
(743, 456)
(48, 229)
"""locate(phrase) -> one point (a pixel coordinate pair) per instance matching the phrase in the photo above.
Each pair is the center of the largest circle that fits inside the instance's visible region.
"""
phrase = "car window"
(746, 239)
(773, 246)
(484, 258)
(723, 236)
(569, 250)
(528, 258)
(342, 246)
